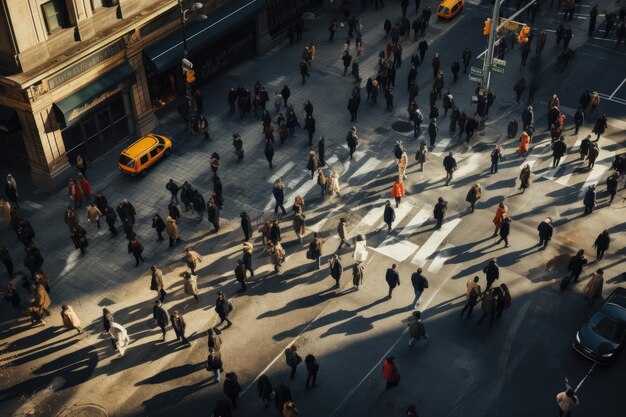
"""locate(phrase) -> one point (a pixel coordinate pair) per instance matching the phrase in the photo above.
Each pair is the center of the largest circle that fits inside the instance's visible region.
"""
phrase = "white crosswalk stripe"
(440, 259)
(329, 213)
(594, 177)
(433, 242)
(469, 165)
(441, 146)
(415, 223)
(281, 172)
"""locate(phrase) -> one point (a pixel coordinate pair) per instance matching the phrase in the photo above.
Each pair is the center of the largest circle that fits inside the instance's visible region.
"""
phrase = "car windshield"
(443, 10)
(607, 328)
(161, 141)
(126, 161)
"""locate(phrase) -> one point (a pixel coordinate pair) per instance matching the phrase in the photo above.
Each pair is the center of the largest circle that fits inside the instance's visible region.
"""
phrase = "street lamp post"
(187, 66)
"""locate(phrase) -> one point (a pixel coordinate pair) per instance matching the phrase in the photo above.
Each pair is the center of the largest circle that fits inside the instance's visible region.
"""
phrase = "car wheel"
(167, 152)
(143, 173)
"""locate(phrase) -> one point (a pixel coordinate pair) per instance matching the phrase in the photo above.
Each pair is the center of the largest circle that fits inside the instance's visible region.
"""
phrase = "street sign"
(498, 66)
(499, 62)
(497, 70)
(476, 71)
(475, 78)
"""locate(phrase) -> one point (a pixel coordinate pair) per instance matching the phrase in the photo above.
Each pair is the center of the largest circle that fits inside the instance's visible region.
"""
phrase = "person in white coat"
(120, 337)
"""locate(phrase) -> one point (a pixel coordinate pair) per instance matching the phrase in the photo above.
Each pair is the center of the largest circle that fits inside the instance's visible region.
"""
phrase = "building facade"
(81, 76)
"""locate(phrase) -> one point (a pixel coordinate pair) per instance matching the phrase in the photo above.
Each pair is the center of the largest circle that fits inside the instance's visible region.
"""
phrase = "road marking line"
(618, 87)
(281, 172)
(594, 176)
(433, 242)
(318, 226)
(468, 165)
(440, 259)
(366, 168)
(415, 223)
(372, 217)
(398, 250)
(280, 355)
(441, 146)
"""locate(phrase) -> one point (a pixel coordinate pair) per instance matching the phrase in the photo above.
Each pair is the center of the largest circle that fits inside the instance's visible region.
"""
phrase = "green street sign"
(478, 72)
(497, 69)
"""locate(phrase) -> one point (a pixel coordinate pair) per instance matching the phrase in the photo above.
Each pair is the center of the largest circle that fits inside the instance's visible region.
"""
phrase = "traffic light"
(190, 76)
(487, 27)
(523, 34)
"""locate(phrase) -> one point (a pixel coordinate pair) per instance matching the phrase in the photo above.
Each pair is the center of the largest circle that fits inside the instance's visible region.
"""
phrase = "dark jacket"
(602, 242)
(279, 195)
(392, 277)
(440, 210)
(559, 148)
(158, 223)
(178, 323)
(336, 269)
(545, 230)
(160, 315)
(389, 215)
(449, 163)
(240, 272)
(590, 197)
(275, 232)
(576, 263)
(492, 270)
(246, 225)
(419, 281)
(213, 214)
(505, 229)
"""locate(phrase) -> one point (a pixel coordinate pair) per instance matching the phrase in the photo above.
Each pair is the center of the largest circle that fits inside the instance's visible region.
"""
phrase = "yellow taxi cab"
(144, 153)
(449, 8)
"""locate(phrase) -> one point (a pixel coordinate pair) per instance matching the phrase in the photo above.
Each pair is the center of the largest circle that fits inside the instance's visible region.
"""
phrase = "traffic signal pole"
(495, 18)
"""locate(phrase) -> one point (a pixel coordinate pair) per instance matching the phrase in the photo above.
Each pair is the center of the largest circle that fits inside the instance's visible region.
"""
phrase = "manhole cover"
(87, 410)
(402, 126)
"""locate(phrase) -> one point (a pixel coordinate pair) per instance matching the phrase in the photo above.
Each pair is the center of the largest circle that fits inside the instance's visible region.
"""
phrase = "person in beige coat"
(190, 284)
(332, 185)
(93, 214)
(567, 401)
(192, 258)
(594, 286)
(402, 164)
(172, 230)
(156, 282)
(298, 224)
(70, 319)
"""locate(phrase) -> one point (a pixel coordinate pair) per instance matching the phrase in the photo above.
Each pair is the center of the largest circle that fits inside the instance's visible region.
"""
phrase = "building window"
(55, 15)
(97, 4)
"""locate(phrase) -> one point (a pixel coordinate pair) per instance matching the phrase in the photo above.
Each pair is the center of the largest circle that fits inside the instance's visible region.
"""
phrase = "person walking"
(439, 211)
(232, 389)
(246, 226)
(589, 200)
(496, 155)
(292, 359)
(265, 390)
(501, 212)
(600, 127)
(611, 186)
(279, 196)
(6, 259)
(213, 215)
(467, 57)
(298, 224)
(545, 229)
(158, 224)
(420, 283)
(416, 328)
(432, 131)
(492, 272)
(559, 148)
(73, 190)
(247, 258)
(472, 294)
(173, 188)
(393, 279)
(160, 317)
(79, 238)
(322, 181)
(179, 326)
(473, 195)
(421, 155)
(524, 178)
(389, 215)
(119, 337)
(594, 151)
(593, 289)
(214, 363)
(576, 264)
(488, 305)
(172, 230)
(336, 269)
(269, 152)
(10, 189)
(223, 308)
(390, 373)
(519, 89)
(192, 258)
(524, 144)
(567, 400)
(449, 163)
(397, 190)
(93, 214)
(312, 368)
(352, 140)
(70, 319)
(156, 282)
(602, 244)
(315, 250)
(341, 231)
(505, 230)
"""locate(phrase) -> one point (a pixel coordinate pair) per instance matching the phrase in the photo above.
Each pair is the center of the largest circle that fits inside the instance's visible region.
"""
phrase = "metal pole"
(492, 37)
(191, 102)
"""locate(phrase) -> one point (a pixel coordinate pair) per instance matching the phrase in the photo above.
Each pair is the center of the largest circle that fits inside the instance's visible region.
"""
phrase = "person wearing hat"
(292, 359)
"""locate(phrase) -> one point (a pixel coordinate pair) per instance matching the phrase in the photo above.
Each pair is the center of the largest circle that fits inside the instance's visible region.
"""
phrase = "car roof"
(615, 312)
(449, 3)
(617, 297)
(142, 144)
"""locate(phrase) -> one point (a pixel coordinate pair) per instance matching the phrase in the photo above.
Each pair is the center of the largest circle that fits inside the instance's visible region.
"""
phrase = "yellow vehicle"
(144, 153)
(449, 8)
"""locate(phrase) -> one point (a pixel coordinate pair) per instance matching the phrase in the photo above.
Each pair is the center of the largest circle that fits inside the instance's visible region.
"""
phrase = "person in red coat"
(74, 193)
(390, 372)
(397, 190)
(85, 186)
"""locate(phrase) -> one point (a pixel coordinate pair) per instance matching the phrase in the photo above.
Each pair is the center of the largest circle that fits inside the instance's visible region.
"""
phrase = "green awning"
(170, 51)
(70, 109)
(9, 121)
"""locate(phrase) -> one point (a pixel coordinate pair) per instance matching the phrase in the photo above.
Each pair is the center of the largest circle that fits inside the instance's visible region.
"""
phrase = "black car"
(604, 335)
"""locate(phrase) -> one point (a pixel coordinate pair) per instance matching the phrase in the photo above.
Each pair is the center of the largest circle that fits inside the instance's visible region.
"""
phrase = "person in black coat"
(6, 259)
(160, 316)
(432, 131)
(275, 231)
(576, 264)
(198, 204)
(217, 190)
(589, 200)
(159, 225)
(213, 213)
(336, 269)
(25, 232)
(79, 238)
(222, 408)
(492, 270)
(309, 125)
(269, 151)
(33, 260)
(439, 211)
(285, 92)
(111, 219)
(283, 394)
(602, 244)
(126, 211)
(246, 226)
(505, 230)
(232, 389)
(101, 202)
(559, 148)
(312, 367)
(449, 163)
(174, 211)
(420, 283)
(393, 279)
(389, 215)
(321, 150)
(545, 229)
(279, 195)
(240, 274)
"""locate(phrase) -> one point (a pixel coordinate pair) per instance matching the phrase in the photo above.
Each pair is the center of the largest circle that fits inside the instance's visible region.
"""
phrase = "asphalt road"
(515, 368)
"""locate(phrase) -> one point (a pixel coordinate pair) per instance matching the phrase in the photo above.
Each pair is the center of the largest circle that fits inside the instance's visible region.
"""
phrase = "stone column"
(146, 120)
